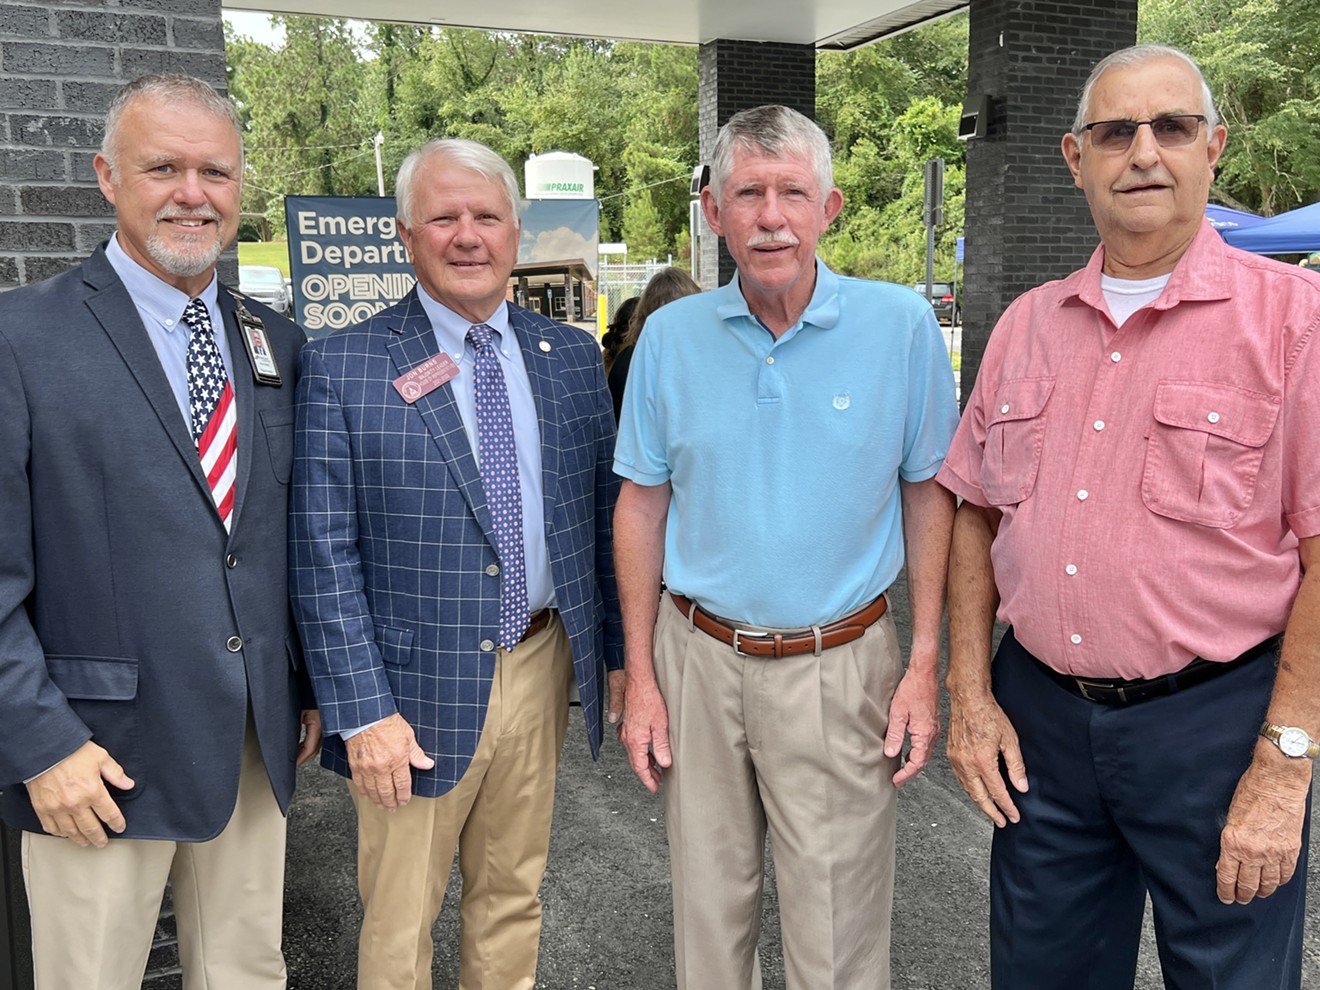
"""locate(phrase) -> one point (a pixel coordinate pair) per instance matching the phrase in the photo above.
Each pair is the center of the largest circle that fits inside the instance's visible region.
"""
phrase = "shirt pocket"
(277, 424)
(1014, 435)
(1204, 450)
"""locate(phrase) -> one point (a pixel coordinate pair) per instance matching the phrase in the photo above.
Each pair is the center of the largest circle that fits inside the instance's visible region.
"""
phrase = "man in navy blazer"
(452, 574)
(148, 684)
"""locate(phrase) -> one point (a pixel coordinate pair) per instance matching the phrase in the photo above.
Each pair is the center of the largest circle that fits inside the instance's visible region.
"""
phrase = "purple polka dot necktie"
(498, 457)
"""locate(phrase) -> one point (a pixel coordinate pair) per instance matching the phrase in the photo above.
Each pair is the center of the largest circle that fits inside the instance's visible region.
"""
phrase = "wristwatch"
(1291, 740)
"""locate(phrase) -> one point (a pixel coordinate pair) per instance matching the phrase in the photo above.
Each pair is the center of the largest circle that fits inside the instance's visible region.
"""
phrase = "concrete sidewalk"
(606, 893)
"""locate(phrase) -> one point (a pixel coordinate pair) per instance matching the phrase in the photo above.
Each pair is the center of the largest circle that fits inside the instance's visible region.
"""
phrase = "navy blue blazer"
(123, 601)
(390, 534)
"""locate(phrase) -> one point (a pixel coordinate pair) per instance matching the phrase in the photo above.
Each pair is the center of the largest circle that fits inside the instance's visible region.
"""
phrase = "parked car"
(944, 300)
(266, 285)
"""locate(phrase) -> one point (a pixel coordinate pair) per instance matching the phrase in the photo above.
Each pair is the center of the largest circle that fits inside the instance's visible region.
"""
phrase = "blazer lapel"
(114, 310)
(543, 372)
(244, 397)
(410, 342)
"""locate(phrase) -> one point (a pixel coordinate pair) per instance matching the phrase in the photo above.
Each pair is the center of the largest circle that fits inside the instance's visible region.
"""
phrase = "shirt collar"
(1200, 275)
(451, 330)
(160, 300)
(822, 311)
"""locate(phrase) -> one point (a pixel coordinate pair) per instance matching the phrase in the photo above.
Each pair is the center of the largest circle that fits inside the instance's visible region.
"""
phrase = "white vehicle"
(266, 285)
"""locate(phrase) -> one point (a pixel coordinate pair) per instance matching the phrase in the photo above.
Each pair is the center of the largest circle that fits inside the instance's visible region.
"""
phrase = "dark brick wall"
(739, 75)
(60, 63)
(1025, 221)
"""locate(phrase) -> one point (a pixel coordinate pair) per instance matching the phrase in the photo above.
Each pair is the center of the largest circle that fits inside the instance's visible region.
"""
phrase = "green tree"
(1261, 59)
(301, 106)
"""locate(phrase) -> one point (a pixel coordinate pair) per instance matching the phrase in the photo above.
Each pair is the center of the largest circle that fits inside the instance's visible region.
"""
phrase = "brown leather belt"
(791, 643)
(539, 621)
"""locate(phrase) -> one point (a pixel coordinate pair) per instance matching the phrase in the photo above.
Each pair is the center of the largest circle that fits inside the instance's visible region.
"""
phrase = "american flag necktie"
(499, 478)
(211, 409)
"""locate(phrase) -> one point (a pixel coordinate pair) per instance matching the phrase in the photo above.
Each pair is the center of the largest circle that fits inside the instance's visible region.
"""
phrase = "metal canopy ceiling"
(829, 24)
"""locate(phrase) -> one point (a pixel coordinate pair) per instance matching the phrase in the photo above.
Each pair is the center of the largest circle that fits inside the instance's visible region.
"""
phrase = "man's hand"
(71, 799)
(1262, 836)
(979, 732)
(616, 694)
(914, 711)
(311, 740)
(380, 758)
(645, 732)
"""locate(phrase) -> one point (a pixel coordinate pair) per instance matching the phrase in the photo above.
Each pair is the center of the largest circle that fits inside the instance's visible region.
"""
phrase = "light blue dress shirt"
(161, 307)
(451, 333)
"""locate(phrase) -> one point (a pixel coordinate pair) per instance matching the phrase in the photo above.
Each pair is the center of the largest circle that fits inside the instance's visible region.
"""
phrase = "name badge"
(426, 377)
(257, 344)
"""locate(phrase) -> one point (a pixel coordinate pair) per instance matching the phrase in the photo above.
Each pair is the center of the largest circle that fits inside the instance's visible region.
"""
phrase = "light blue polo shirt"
(785, 455)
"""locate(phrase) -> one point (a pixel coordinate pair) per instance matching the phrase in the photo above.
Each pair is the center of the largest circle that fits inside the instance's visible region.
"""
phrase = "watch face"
(1294, 742)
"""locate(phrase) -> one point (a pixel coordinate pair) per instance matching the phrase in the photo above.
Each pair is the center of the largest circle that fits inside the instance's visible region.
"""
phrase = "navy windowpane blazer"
(390, 534)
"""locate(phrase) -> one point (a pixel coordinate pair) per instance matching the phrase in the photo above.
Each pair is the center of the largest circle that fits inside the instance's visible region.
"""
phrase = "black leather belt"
(1119, 692)
(790, 643)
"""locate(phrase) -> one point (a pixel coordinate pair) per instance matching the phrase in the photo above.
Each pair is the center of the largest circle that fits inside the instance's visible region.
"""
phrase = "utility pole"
(933, 214)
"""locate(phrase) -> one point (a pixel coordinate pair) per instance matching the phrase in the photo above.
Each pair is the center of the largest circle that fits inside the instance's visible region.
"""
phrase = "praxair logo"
(563, 187)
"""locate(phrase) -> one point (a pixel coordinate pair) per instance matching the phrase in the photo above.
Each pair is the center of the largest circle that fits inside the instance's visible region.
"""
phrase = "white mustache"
(181, 213)
(1146, 179)
(773, 237)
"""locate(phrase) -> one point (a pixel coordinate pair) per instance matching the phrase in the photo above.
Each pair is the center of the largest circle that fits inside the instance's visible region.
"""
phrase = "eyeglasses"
(1172, 131)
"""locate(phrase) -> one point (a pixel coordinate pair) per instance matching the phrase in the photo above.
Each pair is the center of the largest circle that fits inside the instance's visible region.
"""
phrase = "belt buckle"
(750, 634)
(1083, 684)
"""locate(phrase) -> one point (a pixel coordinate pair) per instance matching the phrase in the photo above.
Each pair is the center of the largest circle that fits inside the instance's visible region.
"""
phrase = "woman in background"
(666, 286)
(616, 333)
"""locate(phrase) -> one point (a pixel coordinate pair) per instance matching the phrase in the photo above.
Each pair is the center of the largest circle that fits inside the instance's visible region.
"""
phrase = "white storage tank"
(559, 175)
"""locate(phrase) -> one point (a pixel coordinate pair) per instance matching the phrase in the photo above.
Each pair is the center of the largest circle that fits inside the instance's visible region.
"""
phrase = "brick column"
(739, 75)
(1025, 221)
(59, 66)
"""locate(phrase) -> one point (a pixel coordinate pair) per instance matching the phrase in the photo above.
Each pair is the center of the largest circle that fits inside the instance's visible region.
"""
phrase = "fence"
(619, 282)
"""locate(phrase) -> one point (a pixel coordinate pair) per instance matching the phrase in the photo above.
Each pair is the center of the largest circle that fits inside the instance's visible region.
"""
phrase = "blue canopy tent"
(1222, 218)
(1295, 232)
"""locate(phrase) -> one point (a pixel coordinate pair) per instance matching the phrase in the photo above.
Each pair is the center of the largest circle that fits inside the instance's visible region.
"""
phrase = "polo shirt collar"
(1200, 275)
(822, 311)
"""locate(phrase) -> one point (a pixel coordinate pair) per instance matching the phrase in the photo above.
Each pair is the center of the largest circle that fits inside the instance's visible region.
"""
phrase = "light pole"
(379, 140)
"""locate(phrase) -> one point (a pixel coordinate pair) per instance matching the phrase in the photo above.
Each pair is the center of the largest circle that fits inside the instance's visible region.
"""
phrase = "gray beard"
(184, 262)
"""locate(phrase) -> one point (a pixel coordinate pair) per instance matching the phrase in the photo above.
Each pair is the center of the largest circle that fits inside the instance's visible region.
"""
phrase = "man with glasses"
(1142, 506)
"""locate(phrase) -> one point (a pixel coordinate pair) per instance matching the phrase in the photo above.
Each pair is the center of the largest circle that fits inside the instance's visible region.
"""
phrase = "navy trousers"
(1126, 801)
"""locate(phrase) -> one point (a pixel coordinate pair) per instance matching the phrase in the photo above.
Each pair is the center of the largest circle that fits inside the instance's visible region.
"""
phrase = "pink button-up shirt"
(1154, 479)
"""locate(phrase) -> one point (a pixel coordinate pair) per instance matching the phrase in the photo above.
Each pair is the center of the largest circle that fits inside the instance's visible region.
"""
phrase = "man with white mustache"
(150, 699)
(779, 442)
(1141, 504)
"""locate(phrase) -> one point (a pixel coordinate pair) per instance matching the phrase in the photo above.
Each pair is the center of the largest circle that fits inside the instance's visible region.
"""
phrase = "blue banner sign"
(346, 259)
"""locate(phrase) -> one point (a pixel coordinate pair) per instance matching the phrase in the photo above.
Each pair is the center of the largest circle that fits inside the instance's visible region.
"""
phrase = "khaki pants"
(499, 818)
(796, 743)
(94, 911)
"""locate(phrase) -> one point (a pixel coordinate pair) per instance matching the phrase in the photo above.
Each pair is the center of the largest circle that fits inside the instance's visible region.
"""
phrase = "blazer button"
(233, 644)
(231, 561)
(487, 645)
(492, 569)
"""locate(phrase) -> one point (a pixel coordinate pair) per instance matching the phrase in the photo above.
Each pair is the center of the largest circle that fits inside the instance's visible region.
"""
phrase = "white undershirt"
(1124, 296)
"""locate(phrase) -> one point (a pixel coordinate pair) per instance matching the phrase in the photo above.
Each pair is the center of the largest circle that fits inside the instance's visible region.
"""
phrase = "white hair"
(777, 131)
(1132, 56)
(471, 155)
